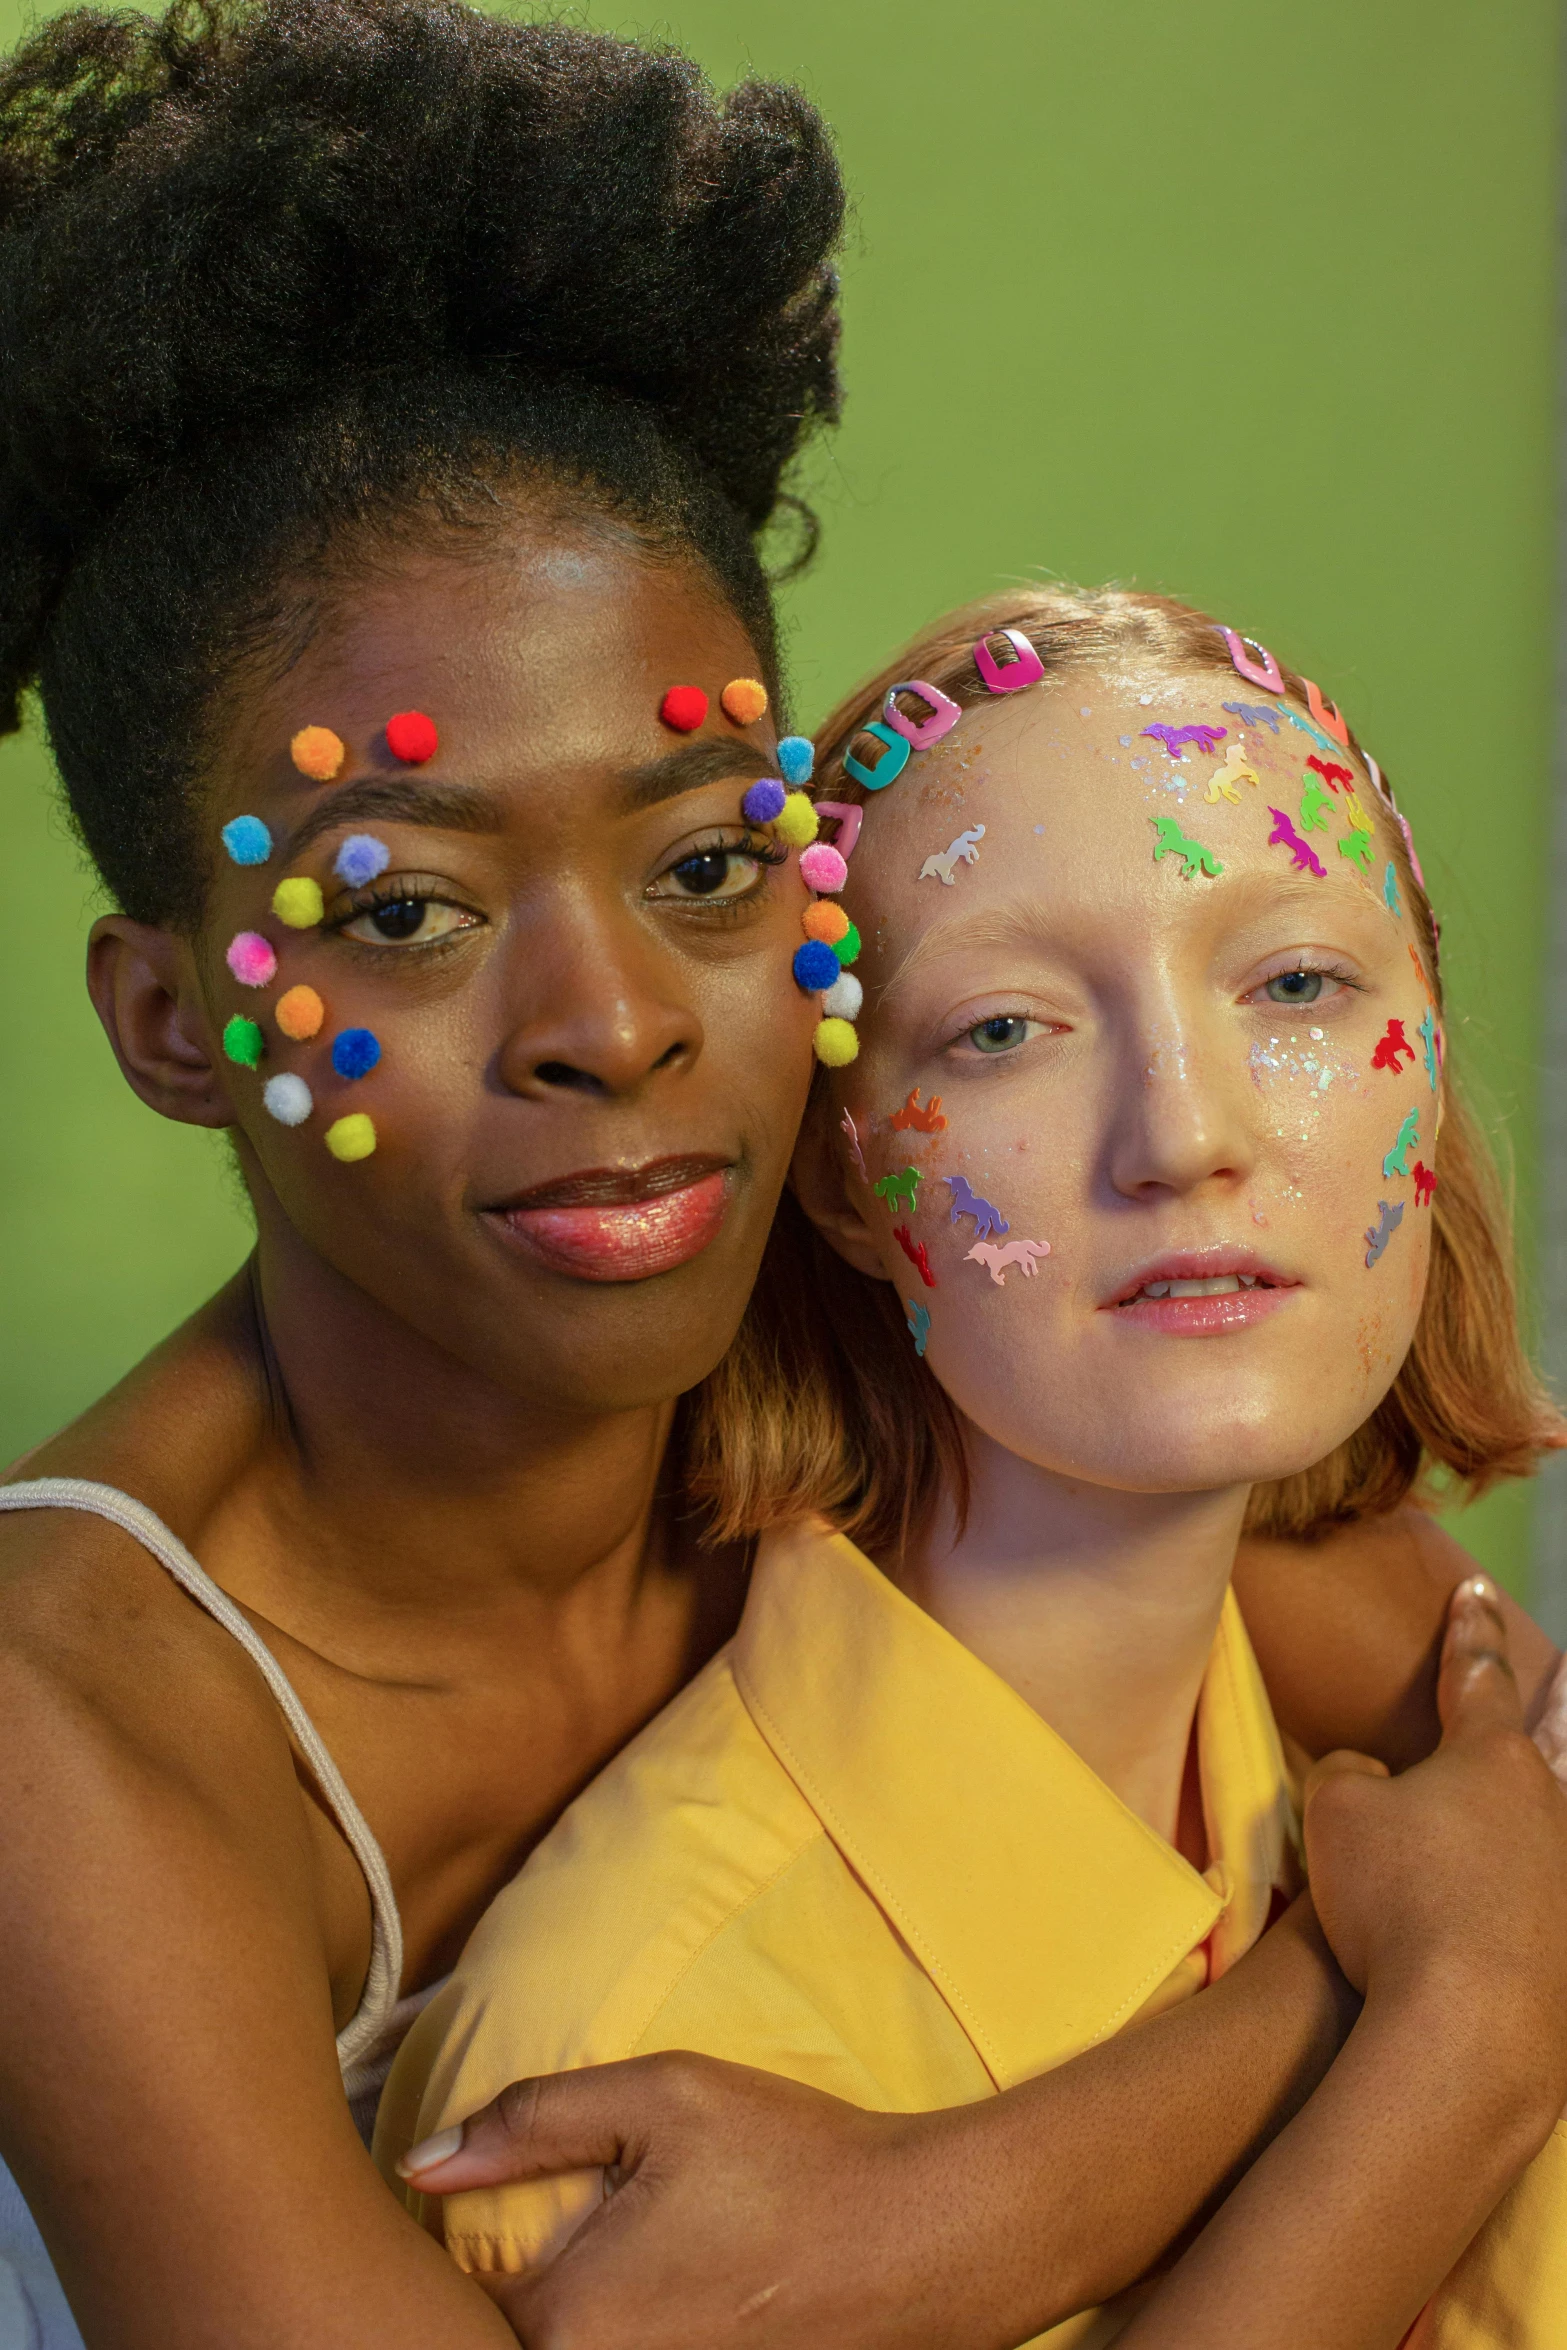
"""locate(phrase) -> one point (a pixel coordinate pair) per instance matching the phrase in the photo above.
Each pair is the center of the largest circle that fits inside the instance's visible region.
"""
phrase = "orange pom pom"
(743, 700)
(300, 1013)
(317, 752)
(825, 921)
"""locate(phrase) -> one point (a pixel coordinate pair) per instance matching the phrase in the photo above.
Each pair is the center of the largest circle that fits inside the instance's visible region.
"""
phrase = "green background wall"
(1252, 303)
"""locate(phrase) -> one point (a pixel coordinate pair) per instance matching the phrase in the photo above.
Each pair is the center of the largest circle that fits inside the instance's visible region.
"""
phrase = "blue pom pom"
(356, 1051)
(796, 758)
(816, 967)
(763, 802)
(362, 858)
(247, 840)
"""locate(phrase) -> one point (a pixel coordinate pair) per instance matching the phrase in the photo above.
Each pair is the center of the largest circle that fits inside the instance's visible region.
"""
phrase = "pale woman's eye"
(710, 874)
(400, 922)
(1002, 1035)
(1295, 987)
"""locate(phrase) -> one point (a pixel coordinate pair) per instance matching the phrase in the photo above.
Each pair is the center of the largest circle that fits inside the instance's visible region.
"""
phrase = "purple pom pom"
(362, 858)
(763, 802)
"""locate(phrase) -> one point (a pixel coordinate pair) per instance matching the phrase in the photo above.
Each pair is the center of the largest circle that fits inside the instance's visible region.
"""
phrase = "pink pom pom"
(822, 867)
(251, 959)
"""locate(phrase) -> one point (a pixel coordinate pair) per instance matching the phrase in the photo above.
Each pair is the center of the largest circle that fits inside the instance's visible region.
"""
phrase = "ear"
(832, 1192)
(144, 989)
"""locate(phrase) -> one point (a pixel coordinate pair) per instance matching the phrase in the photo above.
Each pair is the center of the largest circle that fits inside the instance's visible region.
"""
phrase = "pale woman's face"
(1201, 1084)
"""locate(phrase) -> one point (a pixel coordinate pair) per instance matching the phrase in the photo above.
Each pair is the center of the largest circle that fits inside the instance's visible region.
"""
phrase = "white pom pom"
(843, 999)
(287, 1099)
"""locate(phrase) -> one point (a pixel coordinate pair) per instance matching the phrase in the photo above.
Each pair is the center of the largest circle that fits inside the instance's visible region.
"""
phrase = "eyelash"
(400, 889)
(1314, 967)
(762, 851)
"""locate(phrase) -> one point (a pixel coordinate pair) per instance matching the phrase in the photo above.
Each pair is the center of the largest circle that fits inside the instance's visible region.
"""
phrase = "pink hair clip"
(944, 713)
(1025, 668)
(1265, 671)
(849, 819)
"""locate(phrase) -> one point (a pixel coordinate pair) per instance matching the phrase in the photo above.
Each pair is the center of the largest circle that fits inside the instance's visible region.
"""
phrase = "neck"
(1098, 1607)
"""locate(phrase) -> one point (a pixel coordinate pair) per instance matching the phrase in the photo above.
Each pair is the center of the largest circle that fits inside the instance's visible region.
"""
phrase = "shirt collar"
(1043, 1909)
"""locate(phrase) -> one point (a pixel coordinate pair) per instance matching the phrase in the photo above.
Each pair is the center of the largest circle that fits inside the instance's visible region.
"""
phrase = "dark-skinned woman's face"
(576, 963)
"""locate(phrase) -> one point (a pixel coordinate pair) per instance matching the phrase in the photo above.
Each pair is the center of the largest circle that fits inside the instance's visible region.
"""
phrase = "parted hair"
(822, 1407)
(283, 280)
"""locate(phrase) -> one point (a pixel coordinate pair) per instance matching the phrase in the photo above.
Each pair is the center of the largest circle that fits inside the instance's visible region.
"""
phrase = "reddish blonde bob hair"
(822, 1408)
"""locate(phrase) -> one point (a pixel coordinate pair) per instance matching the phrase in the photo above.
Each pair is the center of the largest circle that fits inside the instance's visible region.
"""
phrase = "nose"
(596, 1009)
(1181, 1118)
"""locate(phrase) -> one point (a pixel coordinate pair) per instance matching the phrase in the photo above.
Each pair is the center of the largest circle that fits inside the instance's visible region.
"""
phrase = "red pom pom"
(684, 708)
(411, 737)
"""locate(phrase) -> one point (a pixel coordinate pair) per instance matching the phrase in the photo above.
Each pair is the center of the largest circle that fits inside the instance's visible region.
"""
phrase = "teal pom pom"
(796, 758)
(247, 840)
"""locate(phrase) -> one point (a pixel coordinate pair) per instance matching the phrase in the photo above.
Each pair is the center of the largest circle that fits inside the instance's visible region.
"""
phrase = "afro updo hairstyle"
(278, 277)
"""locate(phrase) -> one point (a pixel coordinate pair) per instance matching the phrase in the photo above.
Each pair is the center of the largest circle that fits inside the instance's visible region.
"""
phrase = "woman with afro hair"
(391, 401)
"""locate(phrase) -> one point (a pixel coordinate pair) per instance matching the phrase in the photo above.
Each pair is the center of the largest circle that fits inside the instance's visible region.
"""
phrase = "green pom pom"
(847, 948)
(244, 1042)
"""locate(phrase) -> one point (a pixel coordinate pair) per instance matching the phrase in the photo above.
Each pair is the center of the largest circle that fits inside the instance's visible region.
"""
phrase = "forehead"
(1076, 796)
(557, 640)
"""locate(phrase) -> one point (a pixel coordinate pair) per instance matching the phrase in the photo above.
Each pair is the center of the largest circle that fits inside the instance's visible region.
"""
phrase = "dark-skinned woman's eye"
(713, 876)
(409, 921)
(701, 877)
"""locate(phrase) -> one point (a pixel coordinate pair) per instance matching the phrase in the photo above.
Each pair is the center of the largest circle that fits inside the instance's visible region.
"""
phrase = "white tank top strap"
(367, 2027)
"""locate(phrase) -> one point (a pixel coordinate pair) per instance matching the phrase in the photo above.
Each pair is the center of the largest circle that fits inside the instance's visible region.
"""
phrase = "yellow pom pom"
(300, 1013)
(298, 902)
(317, 752)
(836, 1043)
(743, 700)
(799, 824)
(351, 1138)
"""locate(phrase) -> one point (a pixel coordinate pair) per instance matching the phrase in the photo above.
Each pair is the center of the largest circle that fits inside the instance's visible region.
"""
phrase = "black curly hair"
(278, 275)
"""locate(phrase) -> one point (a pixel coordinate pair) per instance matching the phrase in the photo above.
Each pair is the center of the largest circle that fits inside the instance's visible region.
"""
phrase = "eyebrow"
(1024, 922)
(442, 807)
(692, 767)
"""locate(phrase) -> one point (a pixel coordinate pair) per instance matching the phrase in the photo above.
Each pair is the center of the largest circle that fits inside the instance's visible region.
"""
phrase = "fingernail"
(1480, 1587)
(430, 2153)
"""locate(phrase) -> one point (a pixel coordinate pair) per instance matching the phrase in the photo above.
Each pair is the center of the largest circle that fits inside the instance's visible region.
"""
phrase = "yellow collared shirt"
(849, 1853)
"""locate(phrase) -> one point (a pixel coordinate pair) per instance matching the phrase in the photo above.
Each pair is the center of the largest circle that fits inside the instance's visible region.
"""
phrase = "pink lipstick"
(622, 1224)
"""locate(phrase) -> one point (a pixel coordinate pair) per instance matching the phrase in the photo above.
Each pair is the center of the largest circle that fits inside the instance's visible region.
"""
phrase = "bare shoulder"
(1347, 1631)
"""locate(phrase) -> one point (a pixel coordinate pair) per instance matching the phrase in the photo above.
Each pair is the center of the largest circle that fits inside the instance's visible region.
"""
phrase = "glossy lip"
(1202, 1317)
(621, 1223)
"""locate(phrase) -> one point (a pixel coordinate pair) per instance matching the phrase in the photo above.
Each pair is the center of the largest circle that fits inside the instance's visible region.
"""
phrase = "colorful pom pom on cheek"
(823, 868)
(244, 1042)
(251, 959)
(298, 902)
(355, 1052)
(797, 824)
(828, 923)
(247, 840)
(835, 1043)
(815, 966)
(351, 1138)
(300, 1013)
(288, 1099)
